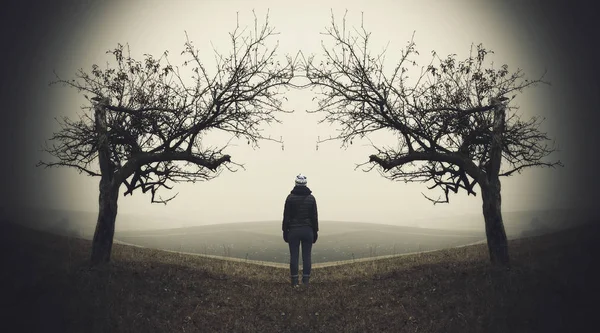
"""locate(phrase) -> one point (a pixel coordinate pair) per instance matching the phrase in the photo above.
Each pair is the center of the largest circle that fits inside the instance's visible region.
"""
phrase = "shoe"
(305, 280)
(295, 281)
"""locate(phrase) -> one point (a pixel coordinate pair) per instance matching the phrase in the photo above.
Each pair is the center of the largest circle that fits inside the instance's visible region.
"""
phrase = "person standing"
(300, 227)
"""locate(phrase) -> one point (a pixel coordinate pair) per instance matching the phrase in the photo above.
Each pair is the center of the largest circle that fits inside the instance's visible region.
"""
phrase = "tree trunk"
(109, 191)
(494, 226)
(490, 192)
(105, 226)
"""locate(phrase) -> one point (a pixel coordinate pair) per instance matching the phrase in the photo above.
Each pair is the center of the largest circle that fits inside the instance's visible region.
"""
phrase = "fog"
(262, 240)
(78, 36)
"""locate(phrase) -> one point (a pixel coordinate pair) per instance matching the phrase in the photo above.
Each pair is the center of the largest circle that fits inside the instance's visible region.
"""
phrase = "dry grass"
(48, 287)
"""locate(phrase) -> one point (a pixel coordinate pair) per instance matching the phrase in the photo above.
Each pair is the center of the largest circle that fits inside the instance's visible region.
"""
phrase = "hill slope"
(263, 241)
(47, 286)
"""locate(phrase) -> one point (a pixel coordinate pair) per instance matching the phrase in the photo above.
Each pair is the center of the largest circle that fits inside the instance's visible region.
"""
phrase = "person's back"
(301, 206)
(300, 226)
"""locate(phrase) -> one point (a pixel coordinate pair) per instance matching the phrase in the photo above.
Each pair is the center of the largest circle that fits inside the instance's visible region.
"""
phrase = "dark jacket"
(300, 209)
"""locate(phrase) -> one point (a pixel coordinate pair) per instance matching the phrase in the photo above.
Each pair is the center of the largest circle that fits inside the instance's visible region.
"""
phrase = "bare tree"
(455, 122)
(145, 123)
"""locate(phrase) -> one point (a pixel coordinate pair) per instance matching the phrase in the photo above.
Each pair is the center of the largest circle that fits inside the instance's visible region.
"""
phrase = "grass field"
(262, 241)
(47, 286)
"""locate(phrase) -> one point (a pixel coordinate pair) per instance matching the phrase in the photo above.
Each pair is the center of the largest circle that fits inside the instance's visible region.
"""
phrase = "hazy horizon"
(338, 240)
(140, 221)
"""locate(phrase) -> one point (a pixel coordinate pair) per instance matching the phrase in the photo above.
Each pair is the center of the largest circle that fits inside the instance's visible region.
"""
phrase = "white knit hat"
(301, 180)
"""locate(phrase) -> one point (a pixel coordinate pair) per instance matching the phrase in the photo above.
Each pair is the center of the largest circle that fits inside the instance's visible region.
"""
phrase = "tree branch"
(443, 119)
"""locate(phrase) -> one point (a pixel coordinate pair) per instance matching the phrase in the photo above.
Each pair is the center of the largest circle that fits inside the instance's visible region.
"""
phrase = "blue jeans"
(297, 236)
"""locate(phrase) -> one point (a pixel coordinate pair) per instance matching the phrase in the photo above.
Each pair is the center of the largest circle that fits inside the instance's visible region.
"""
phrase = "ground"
(48, 286)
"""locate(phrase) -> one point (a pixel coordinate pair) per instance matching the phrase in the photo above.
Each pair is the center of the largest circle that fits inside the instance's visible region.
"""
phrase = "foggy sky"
(68, 35)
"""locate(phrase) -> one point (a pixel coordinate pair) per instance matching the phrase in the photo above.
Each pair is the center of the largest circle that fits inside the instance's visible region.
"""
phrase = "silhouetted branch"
(156, 114)
(443, 116)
